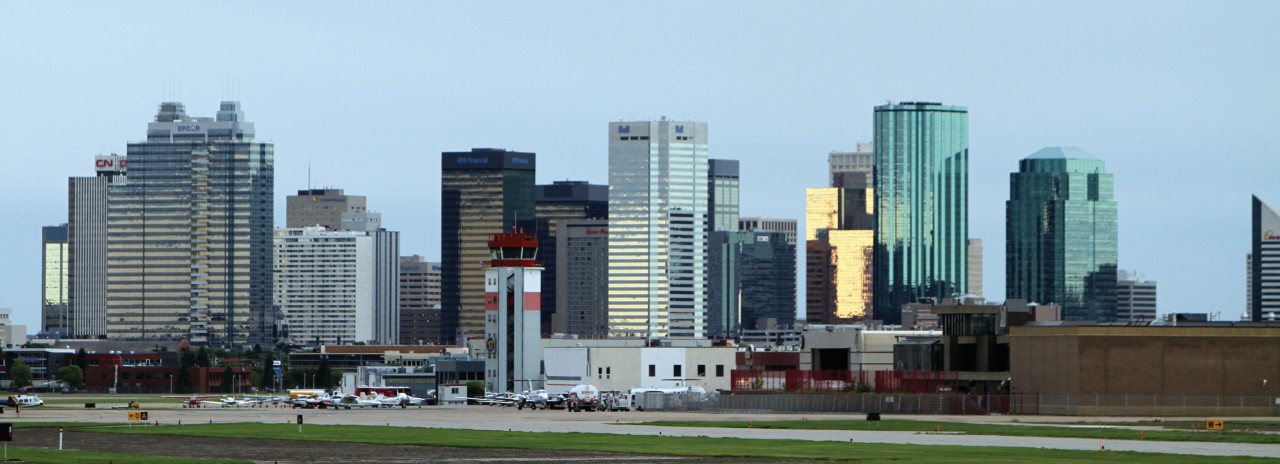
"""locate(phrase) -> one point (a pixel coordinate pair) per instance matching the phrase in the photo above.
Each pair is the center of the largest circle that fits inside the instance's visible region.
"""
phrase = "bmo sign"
(111, 163)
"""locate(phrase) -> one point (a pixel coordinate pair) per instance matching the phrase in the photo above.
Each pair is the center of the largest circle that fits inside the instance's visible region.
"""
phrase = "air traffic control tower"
(513, 314)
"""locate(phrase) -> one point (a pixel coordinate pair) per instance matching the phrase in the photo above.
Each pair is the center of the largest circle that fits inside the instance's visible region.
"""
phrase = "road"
(500, 418)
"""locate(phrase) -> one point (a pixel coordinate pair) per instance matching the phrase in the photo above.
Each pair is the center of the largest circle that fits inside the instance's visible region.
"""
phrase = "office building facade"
(582, 278)
(723, 191)
(484, 191)
(839, 232)
(321, 207)
(922, 204)
(1264, 263)
(324, 285)
(189, 236)
(657, 228)
(55, 319)
(419, 301)
(562, 201)
(752, 276)
(87, 239)
(1061, 234)
(765, 224)
(974, 252)
(852, 169)
(1135, 298)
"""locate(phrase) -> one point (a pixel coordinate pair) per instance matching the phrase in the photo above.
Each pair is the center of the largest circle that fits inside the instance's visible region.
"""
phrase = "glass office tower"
(723, 186)
(484, 191)
(189, 234)
(1264, 262)
(922, 204)
(657, 228)
(1061, 234)
(55, 319)
(554, 204)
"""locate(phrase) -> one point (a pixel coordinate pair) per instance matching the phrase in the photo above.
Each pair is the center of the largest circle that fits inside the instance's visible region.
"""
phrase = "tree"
(324, 377)
(20, 374)
(202, 358)
(186, 360)
(82, 360)
(73, 376)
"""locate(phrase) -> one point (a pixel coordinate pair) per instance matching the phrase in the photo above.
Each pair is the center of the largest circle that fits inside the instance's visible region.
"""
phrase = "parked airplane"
(402, 400)
(230, 401)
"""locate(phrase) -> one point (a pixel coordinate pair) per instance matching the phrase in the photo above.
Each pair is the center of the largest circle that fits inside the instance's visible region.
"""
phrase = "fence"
(844, 381)
(747, 402)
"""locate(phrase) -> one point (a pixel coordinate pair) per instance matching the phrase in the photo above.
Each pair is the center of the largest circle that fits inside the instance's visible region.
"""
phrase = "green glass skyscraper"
(922, 204)
(1061, 234)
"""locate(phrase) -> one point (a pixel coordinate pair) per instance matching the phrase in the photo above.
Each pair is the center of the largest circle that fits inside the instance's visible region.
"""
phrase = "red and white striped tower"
(513, 314)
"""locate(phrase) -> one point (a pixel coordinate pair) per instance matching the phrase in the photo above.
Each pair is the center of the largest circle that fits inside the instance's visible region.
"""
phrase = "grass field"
(38, 455)
(1238, 435)
(782, 450)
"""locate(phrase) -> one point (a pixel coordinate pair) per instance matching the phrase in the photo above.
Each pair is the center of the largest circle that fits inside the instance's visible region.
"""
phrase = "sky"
(1180, 99)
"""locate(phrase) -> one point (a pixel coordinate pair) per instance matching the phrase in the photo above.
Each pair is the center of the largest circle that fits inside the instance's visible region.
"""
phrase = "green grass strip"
(660, 445)
(901, 425)
(41, 455)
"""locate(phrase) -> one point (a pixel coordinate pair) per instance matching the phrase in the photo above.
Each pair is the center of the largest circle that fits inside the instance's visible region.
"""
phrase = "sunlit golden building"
(839, 233)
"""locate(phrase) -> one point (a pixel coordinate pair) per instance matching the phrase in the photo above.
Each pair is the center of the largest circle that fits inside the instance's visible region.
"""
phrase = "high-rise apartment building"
(753, 277)
(922, 204)
(1061, 234)
(321, 207)
(1264, 262)
(189, 235)
(723, 188)
(764, 224)
(1135, 298)
(975, 266)
(582, 278)
(419, 301)
(324, 285)
(484, 191)
(852, 169)
(839, 233)
(55, 320)
(87, 239)
(334, 210)
(657, 228)
(562, 201)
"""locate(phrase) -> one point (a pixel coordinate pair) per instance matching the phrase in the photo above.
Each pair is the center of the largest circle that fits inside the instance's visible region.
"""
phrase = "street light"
(170, 383)
(115, 385)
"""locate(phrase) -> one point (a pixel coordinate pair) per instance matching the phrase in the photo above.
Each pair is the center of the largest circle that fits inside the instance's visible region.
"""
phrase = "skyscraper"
(1135, 298)
(657, 228)
(1062, 233)
(484, 191)
(723, 186)
(336, 211)
(922, 204)
(975, 266)
(765, 224)
(87, 238)
(753, 276)
(1264, 262)
(582, 278)
(54, 281)
(852, 169)
(189, 235)
(839, 233)
(556, 203)
(419, 301)
(324, 285)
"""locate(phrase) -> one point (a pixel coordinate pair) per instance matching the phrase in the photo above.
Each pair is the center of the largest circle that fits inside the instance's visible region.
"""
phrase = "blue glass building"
(1061, 234)
(922, 204)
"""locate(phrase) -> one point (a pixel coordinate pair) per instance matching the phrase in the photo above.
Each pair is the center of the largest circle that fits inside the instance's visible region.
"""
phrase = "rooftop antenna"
(308, 173)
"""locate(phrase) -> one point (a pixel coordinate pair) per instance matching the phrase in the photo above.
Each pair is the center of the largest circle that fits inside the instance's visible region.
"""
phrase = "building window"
(653, 370)
(702, 370)
(719, 370)
(675, 371)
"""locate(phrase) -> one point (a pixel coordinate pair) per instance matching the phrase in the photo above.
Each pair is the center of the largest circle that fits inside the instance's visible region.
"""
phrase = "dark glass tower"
(484, 191)
(189, 236)
(922, 204)
(753, 276)
(556, 203)
(1061, 234)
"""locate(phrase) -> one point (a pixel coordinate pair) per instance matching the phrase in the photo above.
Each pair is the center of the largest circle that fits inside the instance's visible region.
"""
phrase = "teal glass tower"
(922, 204)
(1061, 233)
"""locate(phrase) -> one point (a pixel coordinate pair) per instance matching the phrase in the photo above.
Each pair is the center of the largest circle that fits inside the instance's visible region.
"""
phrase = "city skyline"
(371, 110)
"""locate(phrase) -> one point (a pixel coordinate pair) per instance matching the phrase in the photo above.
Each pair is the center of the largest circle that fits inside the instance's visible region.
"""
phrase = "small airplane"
(350, 401)
(402, 400)
(230, 401)
(500, 399)
(23, 401)
(540, 399)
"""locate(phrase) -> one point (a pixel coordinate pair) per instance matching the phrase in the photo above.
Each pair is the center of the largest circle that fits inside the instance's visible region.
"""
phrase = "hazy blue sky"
(1181, 99)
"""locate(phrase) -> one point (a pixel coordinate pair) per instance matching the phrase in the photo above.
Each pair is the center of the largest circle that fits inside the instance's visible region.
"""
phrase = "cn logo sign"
(107, 163)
